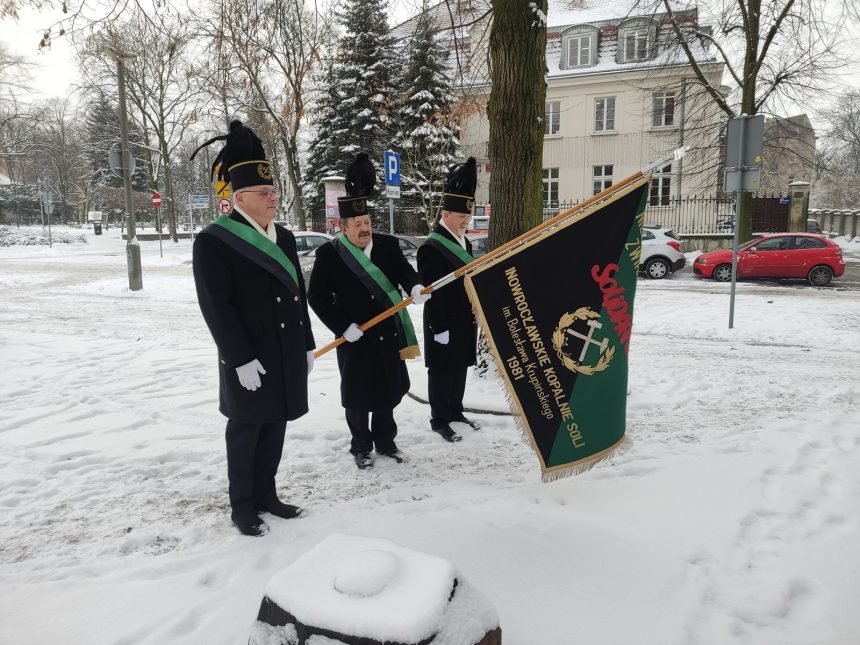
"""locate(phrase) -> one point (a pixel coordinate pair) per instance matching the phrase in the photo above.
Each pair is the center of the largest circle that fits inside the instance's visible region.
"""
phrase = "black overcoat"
(373, 376)
(252, 314)
(448, 310)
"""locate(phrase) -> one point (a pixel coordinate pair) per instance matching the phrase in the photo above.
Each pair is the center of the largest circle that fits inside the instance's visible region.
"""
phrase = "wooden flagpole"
(459, 273)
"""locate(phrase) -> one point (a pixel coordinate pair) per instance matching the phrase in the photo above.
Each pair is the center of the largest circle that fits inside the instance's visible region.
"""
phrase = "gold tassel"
(413, 351)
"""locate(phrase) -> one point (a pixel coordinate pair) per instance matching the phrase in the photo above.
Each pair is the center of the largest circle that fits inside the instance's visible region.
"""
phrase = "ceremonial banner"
(557, 312)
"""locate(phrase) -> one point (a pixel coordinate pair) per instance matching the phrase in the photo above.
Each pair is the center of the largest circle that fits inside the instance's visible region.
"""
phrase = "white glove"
(441, 338)
(417, 297)
(353, 333)
(310, 361)
(249, 375)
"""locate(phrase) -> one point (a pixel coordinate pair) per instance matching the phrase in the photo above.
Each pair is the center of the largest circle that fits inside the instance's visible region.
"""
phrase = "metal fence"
(687, 215)
(705, 214)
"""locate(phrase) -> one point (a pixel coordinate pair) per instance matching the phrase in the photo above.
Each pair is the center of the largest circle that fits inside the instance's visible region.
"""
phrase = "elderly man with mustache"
(355, 277)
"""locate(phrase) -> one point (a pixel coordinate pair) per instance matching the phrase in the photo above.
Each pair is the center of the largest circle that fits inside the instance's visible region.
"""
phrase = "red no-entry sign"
(156, 200)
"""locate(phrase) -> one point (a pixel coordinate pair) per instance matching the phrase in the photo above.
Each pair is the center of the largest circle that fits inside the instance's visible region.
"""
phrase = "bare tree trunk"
(291, 150)
(168, 189)
(516, 114)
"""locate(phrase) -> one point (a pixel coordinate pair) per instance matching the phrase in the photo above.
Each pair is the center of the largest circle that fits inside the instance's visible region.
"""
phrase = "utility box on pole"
(799, 211)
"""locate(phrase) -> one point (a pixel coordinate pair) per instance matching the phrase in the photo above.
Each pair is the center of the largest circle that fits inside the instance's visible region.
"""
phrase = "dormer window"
(637, 39)
(579, 50)
(579, 47)
(635, 45)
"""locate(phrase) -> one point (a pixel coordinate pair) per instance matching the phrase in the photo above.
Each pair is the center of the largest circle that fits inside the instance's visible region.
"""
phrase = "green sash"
(456, 250)
(262, 243)
(378, 283)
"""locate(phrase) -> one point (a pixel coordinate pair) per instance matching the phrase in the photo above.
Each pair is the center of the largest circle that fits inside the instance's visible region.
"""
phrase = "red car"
(777, 255)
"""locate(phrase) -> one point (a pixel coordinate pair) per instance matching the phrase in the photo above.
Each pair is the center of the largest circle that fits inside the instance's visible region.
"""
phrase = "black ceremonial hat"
(359, 182)
(459, 194)
(242, 161)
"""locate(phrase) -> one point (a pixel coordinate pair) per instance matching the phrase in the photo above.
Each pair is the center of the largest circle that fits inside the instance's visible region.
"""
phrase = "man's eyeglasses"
(266, 193)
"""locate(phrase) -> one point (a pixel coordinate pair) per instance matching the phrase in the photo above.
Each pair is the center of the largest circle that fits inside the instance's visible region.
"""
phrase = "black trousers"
(379, 432)
(253, 455)
(446, 388)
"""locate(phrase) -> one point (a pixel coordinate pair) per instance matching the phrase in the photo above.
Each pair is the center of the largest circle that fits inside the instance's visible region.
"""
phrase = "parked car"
(479, 244)
(407, 246)
(777, 255)
(307, 241)
(661, 252)
(478, 224)
(812, 226)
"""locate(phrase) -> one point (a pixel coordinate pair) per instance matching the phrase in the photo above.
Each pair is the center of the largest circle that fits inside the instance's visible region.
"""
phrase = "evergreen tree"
(428, 137)
(101, 132)
(323, 157)
(356, 106)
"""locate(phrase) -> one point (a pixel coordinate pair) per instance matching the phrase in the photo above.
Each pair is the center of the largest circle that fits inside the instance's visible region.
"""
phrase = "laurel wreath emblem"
(558, 338)
(264, 170)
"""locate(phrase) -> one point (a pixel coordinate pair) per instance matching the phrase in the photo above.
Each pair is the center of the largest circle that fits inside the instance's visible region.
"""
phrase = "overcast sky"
(54, 71)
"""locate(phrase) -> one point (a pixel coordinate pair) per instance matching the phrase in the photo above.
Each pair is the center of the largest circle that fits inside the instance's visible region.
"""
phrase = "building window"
(635, 45)
(664, 109)
(550, 187)
(604, 114)
(661, 186)
(552, 122)
(602, 177)
(579, 50)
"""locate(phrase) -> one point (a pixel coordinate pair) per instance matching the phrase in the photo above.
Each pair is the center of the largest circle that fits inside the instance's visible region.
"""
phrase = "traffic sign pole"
(132, 248)
(392, 183)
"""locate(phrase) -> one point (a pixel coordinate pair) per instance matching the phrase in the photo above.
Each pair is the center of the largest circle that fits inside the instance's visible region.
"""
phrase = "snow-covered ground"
(731, 516)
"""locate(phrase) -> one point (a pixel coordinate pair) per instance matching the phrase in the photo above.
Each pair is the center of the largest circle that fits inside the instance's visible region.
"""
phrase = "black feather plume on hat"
(463, 178)
(460, 186)
(360, 177)
(241, 144)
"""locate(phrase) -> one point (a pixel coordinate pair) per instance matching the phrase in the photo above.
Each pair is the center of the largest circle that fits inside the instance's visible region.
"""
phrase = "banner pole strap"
(561, 217)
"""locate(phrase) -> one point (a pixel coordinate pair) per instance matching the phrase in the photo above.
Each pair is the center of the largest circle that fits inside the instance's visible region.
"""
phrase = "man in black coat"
(355, 277)
(450, 330)
(252, 297)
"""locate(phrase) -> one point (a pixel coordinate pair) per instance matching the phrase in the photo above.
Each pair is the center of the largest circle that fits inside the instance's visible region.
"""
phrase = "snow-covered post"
(349, 589)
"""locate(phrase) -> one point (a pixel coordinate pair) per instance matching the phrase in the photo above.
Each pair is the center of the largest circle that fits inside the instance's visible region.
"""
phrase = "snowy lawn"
(731, 516)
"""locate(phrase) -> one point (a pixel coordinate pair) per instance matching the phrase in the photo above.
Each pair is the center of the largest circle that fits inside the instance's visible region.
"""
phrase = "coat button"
(295, 298)
(301, 322)
(223, 362)
(381, 338)
(278, 298)
(372, 297)
(282, 325)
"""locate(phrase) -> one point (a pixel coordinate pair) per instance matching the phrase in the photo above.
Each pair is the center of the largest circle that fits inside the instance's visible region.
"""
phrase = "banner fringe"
(585, 466)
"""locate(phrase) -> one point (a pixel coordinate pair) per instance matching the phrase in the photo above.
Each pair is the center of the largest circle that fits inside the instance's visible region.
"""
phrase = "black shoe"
(363, 460)
(279, 509)
(473, 424)
(249, 525)
(396, 454)
(447, 433)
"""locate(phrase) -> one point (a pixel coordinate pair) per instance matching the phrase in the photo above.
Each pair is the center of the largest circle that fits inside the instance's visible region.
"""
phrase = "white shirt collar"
(460, 240)
(367, 249)
(270, 231)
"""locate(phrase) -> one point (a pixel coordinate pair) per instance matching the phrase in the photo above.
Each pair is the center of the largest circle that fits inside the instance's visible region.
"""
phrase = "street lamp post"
(132, 247)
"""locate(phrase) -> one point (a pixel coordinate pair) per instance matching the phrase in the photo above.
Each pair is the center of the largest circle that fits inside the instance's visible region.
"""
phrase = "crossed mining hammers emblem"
(587, 338)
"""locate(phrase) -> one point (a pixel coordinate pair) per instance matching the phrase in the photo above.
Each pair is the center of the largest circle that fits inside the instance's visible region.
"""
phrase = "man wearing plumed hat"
(450, 330)
(355, 277)
(252, 296)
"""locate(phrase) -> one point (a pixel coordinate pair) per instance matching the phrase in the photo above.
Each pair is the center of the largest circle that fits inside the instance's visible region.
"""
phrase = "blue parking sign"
(392, 168)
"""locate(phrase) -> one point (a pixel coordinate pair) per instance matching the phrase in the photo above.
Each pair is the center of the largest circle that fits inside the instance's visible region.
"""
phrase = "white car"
(310, 240)
(661, 252)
